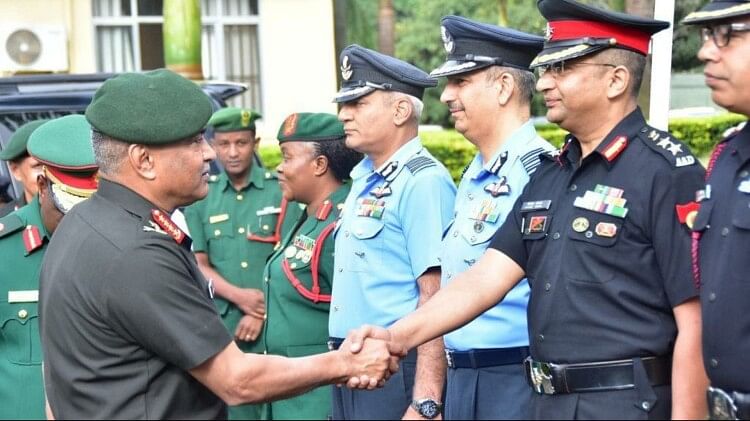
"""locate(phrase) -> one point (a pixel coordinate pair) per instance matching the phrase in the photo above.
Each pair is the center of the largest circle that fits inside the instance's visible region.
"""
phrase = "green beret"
(17, 145)
(151, 108)
(233, 119)
(311, 127)
(64, 143)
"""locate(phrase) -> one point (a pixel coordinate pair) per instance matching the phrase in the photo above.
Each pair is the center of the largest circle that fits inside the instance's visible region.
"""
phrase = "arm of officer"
(470, 294)
(689, 380)
(430, 374)
(249, 300)
(239, 378)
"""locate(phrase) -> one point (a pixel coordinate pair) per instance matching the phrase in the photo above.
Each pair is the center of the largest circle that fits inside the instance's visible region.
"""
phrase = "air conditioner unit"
(33, 48)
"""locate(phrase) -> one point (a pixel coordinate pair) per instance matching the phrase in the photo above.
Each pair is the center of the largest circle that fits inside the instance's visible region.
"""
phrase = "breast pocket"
(20, 342)
(590, 255)
(220, 241)
(740, 235)
(264, 225)
(367, 250)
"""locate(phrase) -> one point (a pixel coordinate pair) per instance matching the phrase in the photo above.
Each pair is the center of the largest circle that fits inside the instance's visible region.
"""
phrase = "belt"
(480, 358)
(552, 379)
(724, 405)
(334, 343)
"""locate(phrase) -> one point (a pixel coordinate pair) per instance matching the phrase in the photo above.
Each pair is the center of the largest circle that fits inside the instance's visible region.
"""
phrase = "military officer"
(235, 229)
(614, 321)
(63, 149)
(388, 243)
(489, 92)
(722, 236)
(314, 171)
(128, 326)
(23, 167)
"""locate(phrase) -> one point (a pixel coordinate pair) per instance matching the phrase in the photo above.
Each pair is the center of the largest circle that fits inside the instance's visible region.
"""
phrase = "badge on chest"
(372, 208)
(603, 199)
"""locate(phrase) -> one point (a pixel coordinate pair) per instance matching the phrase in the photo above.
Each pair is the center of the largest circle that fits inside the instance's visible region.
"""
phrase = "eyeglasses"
(556, 69)
(722, 34)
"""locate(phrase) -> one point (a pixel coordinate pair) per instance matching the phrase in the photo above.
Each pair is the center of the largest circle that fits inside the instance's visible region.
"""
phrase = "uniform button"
(714, 363)
(455, 234)
(473, 238)
(541, 338)
(346, 234)
(744, 174)
(589, 234)
(645, 405)
(244, 265)
(265, 227)
(450, 275)
(341, 270)
(265, 352)
(724, 232)
(265, 316)
(556, 236)
(241, 230)
(217, 233)
(359, 233)
(240, 197)
(547, 286)
(335, 308)
(266, 279)
(712, 297)
(22, 314)
(573, 187)
(360, 253)
(470, 196)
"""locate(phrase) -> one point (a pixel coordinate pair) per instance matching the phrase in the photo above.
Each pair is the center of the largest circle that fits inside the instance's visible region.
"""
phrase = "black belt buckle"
(539, 376)
(721, 406)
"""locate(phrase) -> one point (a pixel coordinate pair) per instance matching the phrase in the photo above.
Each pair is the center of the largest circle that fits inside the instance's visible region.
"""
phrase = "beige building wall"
(298, 59)
(74, 15)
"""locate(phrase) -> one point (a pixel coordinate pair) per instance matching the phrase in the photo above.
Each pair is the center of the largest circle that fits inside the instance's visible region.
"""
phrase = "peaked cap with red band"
(576, 30)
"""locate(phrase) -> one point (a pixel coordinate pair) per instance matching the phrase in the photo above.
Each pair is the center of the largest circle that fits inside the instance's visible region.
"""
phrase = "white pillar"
(661, 66)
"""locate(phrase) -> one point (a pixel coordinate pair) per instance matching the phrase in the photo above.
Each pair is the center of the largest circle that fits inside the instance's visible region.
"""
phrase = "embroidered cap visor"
(69, 189)
(718, 10)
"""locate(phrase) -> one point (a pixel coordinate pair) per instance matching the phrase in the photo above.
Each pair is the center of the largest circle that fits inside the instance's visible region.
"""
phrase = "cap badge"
(447, 40)
(245, 118)
(346, 68)
(290, 125)
(548, 32)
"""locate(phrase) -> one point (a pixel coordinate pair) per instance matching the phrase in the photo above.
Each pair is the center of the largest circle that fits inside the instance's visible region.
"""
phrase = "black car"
(26, 98)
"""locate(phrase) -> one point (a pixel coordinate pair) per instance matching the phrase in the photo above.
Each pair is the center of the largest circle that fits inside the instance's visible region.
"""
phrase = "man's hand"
(370, 366)
(248, 328)
(250, 301)
(354, 343)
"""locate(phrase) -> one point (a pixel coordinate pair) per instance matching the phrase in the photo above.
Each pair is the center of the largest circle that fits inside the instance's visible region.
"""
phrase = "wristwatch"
(427, 407)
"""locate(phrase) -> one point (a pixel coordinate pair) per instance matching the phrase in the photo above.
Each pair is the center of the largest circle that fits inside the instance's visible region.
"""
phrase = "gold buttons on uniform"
(265, 227)
(240, 197)
(293, 265)
(244, 265)
(217, 233)
(22, 314)
(241, 230)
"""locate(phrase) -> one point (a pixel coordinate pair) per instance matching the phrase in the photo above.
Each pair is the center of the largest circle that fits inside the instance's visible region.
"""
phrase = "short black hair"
(341, 159)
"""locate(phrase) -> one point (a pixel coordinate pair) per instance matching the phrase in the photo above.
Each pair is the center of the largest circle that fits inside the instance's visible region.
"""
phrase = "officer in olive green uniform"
(236, 227)
(63, 146)
(299, 275)
(17, 155)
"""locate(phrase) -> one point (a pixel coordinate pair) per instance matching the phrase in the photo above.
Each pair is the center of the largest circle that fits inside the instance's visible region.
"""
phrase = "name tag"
(269, 210)
(218, 218)
(23, 296)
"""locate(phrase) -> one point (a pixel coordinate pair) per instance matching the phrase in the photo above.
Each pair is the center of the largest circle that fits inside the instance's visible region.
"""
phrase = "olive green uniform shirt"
(23, 241)
(297, 323)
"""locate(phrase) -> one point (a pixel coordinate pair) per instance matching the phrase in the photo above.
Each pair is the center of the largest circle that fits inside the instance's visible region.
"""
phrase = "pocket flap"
(741, 216)
(365, 227)
(600, 230)
(19, 312)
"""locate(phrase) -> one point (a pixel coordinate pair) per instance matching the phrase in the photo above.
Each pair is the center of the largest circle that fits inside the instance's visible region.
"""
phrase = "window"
(129, 38)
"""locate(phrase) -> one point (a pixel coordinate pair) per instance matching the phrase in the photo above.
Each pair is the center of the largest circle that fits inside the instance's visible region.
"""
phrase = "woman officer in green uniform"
(299, 275)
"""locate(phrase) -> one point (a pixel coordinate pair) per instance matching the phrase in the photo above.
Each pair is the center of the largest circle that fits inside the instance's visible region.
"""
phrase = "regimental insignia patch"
(32, 239)
(290, 125)
(615, 148)
(537, 224)
(165, 223)
(687, 213)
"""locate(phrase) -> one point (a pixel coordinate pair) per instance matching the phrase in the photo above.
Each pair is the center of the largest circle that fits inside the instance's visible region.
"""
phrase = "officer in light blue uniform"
(388, 239)
(489, 82)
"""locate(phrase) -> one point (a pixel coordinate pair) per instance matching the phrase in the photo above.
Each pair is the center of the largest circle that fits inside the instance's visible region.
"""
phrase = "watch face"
(428, 409)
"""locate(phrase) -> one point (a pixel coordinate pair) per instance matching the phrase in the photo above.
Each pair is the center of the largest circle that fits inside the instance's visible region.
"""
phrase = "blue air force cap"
(718, 10)
(364, 70)
(474, 45)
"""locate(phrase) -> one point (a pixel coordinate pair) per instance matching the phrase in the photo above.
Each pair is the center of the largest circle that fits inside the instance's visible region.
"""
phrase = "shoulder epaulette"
(419, 163)
(10, 224)
(531, 160)
(671, 149)
(32, 238)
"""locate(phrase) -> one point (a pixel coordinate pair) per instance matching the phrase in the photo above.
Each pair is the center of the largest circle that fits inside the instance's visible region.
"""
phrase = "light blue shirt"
(389, 234)
(485, 197)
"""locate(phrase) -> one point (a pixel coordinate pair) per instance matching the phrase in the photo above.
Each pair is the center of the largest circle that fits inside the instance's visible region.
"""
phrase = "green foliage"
(686, 39)
(455, 152)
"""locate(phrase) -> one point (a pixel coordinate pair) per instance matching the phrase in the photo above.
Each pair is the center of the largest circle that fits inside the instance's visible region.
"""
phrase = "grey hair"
(525, 81)
(634, 62)
(417, 105)
(109, 153)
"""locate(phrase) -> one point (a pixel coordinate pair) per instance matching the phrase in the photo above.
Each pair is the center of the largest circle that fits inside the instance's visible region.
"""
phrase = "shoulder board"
(32, 238)
(10, 224)
(671, 149)
(419, 163)
(551, 155)
(732, 131)
(531, 160)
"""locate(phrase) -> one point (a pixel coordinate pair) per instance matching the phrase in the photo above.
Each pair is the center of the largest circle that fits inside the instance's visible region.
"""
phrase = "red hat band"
(564, 30)
(84, 182)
